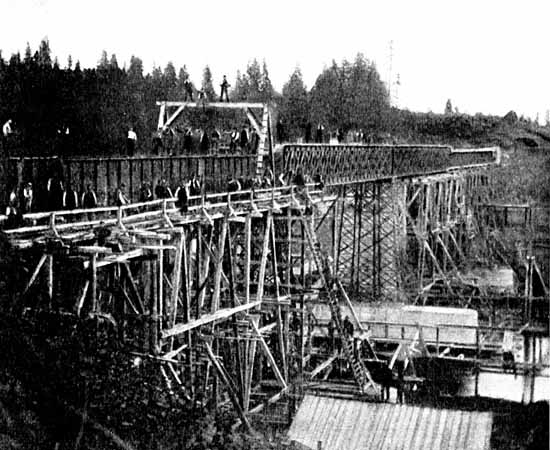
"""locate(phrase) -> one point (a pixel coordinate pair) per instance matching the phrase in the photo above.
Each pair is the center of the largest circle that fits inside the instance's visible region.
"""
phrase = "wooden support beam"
(219, 266)
(176, 278)
(234, 301)
(263, 262)
(253, 121)
(93, 280)
(268, 354)
(36, 272)
(223, 375)
(203, 274)
(173, 117)
(247, 256)
(219, 105)
(278, 313)
(116, 258)
(82, 297)
(133, 287)
(162, 114)
(50, 278)
(325, 364)
(220, 314)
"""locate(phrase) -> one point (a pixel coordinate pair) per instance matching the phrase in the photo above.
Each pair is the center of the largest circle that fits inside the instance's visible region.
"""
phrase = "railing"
(105, 175)
(351, 163)
(240, 202)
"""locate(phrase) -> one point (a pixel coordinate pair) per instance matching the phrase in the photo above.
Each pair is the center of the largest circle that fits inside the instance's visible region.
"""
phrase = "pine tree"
(113, 63)
(266, 88)
(294, 108)
(103, 61)
(207, 85)
(254, 77)
(183, 76)
(241, 89)
(448, 107)
(170, 81)
(44, 54)
(28, 54)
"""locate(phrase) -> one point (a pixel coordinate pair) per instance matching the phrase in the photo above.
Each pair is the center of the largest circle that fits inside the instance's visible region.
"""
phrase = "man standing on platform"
(7, 133)
(131, 141)
(225, 85)
(188, 90)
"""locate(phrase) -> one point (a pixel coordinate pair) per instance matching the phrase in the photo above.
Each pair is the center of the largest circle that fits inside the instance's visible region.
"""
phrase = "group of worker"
(172, 141)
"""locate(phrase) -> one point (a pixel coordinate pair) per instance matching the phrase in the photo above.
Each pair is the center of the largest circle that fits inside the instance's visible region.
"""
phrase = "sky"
(486, 56)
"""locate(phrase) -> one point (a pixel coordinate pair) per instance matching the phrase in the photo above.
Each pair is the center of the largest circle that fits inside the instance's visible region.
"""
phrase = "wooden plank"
(220, 314)
(325, 364)
(220, 105)
(36, 272)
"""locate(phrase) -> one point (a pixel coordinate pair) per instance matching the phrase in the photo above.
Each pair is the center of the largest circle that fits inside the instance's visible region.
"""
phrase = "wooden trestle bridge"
(222, 295)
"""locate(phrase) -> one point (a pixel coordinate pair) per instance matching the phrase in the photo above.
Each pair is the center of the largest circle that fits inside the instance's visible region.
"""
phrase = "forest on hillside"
(75, 110)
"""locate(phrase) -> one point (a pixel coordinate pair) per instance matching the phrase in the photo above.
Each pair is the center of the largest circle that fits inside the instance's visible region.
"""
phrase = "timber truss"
(219, 292)
(214, 294)
(171, 110)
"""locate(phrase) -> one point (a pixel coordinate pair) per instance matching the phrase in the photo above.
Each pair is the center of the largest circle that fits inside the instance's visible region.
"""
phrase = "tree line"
(75, 110)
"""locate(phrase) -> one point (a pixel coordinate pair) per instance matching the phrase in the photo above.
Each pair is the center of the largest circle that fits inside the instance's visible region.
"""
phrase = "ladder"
(360, 372)
(264, 137)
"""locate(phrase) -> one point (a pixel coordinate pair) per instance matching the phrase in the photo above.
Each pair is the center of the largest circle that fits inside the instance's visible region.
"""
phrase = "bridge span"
(220, 292)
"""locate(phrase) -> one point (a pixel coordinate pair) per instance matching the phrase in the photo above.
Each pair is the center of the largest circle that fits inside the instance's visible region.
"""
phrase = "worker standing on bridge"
(281, 132)
(6, 129)
(131, 141)
(28, 199)
(89, 199)
(307, 137)
(204, 143)
(243, 141)
(348, 327)
(121, 198)
(145, 194)
(234, 140)
(12, 211)
(162, 190)
(157, 142)
(7, 133)
(182, 194)
(224, 86)
(319, 134)
(254, 141)
(195, 188)
(54, 189)
(70, 198)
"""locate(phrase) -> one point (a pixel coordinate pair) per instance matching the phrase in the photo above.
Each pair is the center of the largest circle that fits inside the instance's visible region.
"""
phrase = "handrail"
(246, 197)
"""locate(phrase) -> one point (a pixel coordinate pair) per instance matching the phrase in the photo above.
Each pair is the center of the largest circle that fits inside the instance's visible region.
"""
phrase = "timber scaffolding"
(220, 296)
